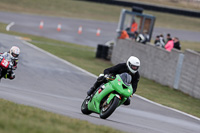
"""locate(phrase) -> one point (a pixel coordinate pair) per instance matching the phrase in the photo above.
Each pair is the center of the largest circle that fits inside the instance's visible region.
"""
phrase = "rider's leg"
(99, 81)
(10, 75)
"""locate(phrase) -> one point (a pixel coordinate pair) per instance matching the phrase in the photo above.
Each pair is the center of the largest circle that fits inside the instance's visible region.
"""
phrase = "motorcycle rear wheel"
(84, 107)
(108, 109)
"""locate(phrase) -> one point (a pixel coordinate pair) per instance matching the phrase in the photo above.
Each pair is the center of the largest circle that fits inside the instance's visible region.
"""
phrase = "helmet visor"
(135, 68)
(15, 55)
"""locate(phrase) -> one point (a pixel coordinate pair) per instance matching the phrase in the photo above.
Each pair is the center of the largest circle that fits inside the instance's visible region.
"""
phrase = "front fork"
(112, 95)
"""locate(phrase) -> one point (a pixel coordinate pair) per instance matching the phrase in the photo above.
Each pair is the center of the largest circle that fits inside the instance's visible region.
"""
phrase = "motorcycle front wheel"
(108, 109)
(84, 107)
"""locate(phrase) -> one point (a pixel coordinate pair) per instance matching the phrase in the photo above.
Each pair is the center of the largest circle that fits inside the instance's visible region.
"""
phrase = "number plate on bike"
(4, 63)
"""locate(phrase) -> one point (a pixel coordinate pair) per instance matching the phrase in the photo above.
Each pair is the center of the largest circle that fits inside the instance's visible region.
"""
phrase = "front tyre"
(84, 107)
(108, 109)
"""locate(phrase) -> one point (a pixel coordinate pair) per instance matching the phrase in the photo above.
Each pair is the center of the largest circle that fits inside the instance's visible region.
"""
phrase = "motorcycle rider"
(131, 66)
(13, 55)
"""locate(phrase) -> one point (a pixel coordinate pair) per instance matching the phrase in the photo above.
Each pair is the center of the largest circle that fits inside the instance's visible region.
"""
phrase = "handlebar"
(110, 76)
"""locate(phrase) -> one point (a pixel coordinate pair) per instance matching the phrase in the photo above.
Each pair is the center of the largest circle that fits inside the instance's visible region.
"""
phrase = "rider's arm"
(115, 69)
(15, 64)
(135, 81)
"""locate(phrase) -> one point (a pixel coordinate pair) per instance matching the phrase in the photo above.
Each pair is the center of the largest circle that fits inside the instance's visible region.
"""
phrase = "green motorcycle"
(108, 96)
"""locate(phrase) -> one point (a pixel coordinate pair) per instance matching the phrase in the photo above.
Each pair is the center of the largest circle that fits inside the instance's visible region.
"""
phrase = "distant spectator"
(136, 35)
(168, 37)
(131, 35)
(177, 44)
(162, 40)
(170, 44)
(157, 41)
(134, 26)
(124, 35)
(132, 29)
(142, 38)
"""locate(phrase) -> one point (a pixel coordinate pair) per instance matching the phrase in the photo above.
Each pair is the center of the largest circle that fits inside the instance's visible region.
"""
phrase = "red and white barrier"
(41, 25)
(80, 29)
(59, 27)
(98, 32)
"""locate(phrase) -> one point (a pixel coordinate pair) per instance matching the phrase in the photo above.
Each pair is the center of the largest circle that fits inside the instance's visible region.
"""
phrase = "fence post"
(178, 71)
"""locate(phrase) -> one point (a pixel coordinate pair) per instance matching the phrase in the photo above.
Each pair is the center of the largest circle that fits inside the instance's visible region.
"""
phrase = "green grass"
(15, 118)
(89, 10)
(190, 45)
(183, 4)
(172, 21)
(168, 96)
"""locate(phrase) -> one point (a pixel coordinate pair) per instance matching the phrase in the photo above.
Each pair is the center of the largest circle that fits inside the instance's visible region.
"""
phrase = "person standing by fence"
(177, 44)
(170, 44)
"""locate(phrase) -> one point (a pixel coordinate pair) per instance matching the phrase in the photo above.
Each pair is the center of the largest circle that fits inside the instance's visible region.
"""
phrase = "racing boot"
(127, 102)
(99, 81)
(10, 75)
(90, 91)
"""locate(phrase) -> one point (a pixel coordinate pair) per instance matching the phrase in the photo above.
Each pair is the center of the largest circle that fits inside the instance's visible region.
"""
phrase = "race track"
(45, 81)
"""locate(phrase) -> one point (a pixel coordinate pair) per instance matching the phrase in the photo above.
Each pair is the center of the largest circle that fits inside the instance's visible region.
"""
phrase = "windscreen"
(126, 78)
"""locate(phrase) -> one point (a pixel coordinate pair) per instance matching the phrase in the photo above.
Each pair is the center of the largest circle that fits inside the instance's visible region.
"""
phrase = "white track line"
(68, 63)
(167, 107)
(9, 26)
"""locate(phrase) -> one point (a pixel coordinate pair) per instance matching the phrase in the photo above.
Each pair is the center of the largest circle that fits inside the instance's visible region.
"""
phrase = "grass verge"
(182, 4)
(84, 57)
(17, 118)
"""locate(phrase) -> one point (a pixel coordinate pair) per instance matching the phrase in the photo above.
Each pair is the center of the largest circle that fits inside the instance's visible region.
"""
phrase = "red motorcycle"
(5, 66)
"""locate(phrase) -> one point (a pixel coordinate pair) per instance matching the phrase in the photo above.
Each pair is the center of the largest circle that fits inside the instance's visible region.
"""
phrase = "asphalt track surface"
(45, 81)
(27, 23)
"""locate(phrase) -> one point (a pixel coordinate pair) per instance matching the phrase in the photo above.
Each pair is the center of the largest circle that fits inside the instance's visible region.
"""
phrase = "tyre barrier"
(102, 52)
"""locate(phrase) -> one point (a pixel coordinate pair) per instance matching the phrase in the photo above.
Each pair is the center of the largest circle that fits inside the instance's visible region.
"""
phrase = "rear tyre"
(108, 109)
(84, 107)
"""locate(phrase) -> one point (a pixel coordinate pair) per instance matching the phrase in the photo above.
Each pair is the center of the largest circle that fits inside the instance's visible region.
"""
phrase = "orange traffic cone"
(80, 30)
(41, 24)
(59, 27)
(98, 32)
